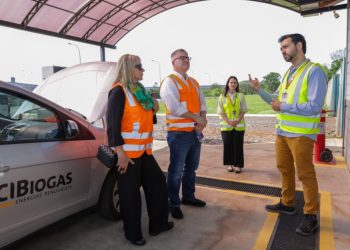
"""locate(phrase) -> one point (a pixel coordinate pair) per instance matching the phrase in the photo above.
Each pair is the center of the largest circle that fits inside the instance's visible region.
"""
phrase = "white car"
(48, 168)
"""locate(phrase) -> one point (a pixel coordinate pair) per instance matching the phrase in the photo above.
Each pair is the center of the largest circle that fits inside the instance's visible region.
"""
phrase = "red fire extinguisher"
(321, 153)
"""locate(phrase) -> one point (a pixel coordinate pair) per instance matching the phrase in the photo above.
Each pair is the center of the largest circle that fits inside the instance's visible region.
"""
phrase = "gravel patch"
(259, 129)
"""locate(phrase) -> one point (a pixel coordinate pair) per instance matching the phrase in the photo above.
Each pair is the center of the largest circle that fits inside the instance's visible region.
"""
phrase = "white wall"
(347, 97)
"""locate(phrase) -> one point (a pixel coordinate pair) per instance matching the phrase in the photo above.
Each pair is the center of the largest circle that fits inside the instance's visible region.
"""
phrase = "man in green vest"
(298, 102)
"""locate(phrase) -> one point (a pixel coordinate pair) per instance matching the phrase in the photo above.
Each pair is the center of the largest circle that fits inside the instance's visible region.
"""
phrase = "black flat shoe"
(196, 202)
(139, 242)
(167, 227)
(176, 212)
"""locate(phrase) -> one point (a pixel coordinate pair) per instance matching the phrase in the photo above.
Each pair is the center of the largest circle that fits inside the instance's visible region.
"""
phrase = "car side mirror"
(72, 129)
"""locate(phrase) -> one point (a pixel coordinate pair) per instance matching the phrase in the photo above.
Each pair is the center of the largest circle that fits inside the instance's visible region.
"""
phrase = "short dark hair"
(177, 51)
(296, 38)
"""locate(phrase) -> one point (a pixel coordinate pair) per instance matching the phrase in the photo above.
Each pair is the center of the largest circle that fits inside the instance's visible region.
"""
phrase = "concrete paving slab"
(260, 168)
(231, 220)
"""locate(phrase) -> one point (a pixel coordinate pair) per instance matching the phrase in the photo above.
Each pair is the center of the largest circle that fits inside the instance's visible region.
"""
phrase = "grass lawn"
(255, 105)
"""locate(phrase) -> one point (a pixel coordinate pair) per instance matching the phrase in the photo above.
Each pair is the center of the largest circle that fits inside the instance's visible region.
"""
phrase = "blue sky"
(223, 37)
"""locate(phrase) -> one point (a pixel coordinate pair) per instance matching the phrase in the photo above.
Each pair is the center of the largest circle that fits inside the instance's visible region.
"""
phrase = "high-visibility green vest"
(232, 111)
(296, 93)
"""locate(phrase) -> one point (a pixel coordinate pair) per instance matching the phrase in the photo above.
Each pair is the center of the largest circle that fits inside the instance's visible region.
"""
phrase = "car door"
(43, 175)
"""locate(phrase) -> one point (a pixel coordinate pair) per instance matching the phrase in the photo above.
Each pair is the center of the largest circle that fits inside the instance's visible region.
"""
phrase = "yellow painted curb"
(269, 224)
(340, 163)
(265, 233)
(326, 222)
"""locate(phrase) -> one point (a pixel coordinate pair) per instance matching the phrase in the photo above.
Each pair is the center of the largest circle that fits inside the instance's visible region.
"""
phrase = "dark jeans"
(184, 160)
(233, 148)
(146, 173)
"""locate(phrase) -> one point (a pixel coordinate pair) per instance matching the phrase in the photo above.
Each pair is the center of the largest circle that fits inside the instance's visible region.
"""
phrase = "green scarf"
(142, 95)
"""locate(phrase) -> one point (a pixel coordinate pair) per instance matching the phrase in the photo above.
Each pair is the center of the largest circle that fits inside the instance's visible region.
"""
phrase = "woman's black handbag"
(106, 155)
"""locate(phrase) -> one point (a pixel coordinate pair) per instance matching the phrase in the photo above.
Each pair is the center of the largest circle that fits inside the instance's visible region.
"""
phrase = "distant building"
(27, 86)
(49, 70)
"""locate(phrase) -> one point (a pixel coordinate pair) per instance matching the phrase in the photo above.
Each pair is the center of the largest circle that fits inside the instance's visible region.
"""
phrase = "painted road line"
(340, 163)
(326, 222)
(266, 231)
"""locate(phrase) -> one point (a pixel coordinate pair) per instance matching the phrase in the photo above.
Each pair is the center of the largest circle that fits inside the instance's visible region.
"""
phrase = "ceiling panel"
(105, 22)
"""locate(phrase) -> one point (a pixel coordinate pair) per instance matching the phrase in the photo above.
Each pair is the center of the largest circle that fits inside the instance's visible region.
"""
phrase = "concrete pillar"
(347, 95)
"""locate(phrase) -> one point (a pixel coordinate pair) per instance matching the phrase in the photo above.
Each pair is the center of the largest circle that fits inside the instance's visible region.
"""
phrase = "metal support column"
(102, 54)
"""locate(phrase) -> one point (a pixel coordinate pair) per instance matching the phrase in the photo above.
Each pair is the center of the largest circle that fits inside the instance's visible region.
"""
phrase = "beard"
(288, 58)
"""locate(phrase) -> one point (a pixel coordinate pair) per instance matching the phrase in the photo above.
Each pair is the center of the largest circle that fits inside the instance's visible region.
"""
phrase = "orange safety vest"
(189, 98)
(136, 126)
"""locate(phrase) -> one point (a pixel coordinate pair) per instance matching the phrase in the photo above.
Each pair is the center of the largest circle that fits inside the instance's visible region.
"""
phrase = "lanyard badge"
(284, 96)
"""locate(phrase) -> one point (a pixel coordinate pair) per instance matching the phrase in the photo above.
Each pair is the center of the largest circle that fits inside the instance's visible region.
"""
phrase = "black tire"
(327, 149)
(326, 156)
(109, 206)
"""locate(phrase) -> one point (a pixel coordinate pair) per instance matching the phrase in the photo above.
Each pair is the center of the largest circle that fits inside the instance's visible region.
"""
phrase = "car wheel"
(109, 206)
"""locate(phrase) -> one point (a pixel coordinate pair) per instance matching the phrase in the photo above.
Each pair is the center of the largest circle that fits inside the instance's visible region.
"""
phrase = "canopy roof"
(105, 22)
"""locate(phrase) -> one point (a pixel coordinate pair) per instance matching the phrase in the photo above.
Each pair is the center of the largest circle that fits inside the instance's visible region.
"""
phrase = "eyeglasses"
(183, 58)
(139, 66)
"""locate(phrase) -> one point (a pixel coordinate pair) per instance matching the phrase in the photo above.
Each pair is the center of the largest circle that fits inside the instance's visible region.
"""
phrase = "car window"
(22, 120)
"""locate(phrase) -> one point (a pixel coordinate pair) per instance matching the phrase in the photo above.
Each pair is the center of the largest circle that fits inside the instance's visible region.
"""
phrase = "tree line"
(270, 82)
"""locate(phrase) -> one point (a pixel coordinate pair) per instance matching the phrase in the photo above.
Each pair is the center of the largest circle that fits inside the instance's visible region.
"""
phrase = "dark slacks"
(146, 173)
(233, 148)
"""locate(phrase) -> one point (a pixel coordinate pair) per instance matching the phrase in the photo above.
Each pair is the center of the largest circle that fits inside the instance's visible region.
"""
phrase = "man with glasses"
(185, 119)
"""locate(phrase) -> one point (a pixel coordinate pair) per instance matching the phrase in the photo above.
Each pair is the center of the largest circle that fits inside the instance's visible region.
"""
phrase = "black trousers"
(146, 173)
(233, 147)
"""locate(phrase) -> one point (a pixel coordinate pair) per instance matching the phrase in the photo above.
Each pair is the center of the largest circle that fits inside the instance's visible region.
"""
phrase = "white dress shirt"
(171, 97)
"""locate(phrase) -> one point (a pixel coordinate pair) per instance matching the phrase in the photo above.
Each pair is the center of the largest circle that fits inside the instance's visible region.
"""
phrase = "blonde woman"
(130, 132)
(231, 108)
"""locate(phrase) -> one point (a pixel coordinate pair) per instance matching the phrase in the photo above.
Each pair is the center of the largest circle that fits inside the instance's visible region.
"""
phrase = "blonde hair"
(126, 68)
